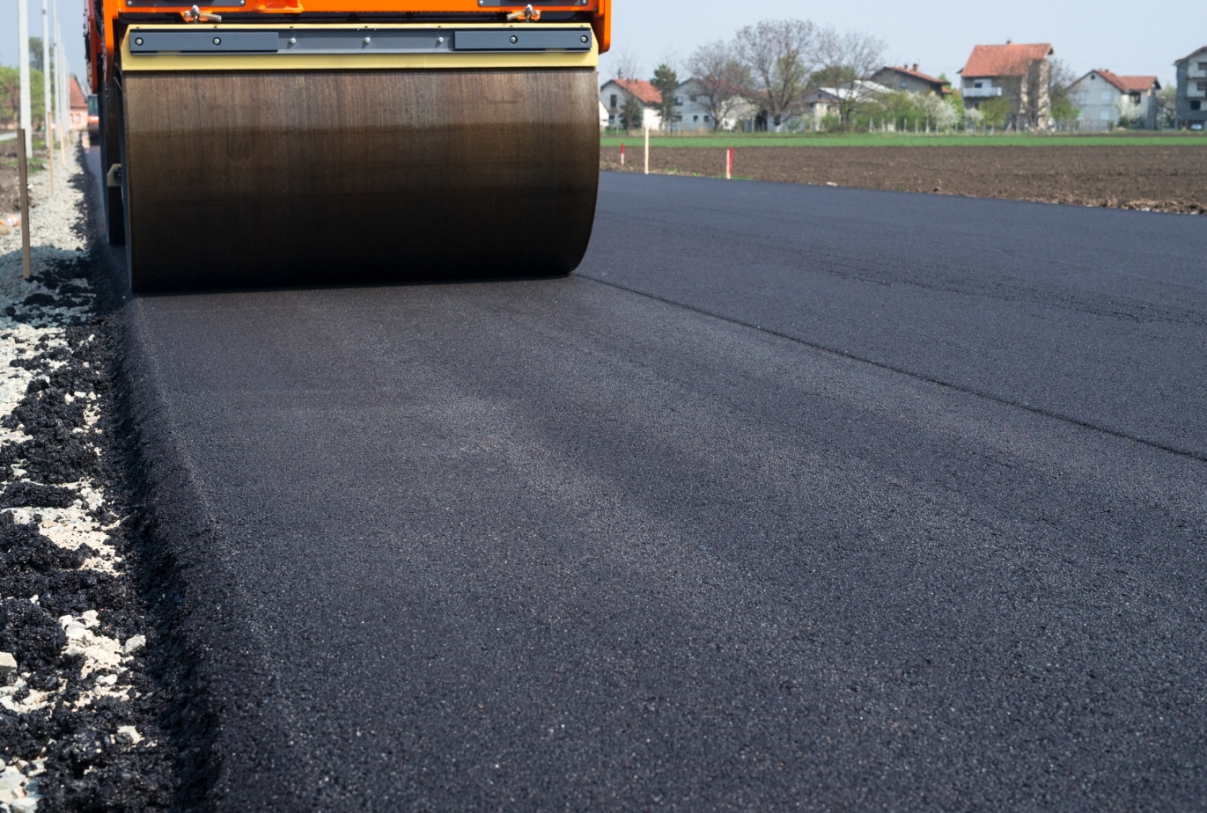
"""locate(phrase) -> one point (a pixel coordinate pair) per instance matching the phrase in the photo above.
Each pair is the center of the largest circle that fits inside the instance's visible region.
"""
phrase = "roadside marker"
(729, 165)
(23, 178)
(647, 150)
(622, 153)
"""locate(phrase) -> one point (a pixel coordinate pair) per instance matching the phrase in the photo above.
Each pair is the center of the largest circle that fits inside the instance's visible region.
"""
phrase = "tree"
(626, 65)
(666, 82)
(721, 78)
(1167, 107)
(1060, 79)
(779, 55)
(632, 113)
(35, 54)
(1129, 111)
(995, 111)
(848, 61)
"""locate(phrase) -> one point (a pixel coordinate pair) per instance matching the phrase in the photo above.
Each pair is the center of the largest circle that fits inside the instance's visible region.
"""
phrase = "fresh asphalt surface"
(790, 498)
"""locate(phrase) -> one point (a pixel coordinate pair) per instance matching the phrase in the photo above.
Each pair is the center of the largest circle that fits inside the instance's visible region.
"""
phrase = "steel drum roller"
(262, 178)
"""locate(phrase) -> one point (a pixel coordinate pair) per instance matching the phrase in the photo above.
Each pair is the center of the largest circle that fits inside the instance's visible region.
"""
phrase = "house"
(604, 117)
(910, 80)
(1192, 90)
(1019, 73)
(1104, 97)
(821, 103)
(79, 105)
(693, 112)
(616, 92)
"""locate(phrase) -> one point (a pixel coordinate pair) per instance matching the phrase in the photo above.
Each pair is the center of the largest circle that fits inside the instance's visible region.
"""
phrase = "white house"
(614, 94)
(1103, 98)
(692, 111)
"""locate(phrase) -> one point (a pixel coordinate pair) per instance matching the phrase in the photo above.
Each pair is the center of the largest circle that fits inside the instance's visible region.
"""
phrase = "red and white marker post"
(729, 164)
(622, 153)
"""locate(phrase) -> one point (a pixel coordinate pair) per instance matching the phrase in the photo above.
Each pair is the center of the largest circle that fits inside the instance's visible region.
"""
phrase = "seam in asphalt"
(997, 399)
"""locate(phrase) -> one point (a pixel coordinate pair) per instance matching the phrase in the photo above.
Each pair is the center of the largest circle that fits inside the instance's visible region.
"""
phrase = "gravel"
(80, 708)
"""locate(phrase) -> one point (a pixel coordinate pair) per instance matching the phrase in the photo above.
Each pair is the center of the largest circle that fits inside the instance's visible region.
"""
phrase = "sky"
(1124, 36)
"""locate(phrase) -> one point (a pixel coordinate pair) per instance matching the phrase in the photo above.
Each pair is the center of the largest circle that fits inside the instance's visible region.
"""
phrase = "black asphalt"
(791, 498)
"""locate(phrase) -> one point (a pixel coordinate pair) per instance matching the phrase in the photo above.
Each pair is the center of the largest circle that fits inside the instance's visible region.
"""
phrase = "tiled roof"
(1129, 84)
(1004, 60)
(78, 100)
(642, 89)
(942, 83)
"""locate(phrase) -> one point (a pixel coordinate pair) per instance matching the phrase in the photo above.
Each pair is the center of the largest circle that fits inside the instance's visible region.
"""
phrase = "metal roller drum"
(328, 177)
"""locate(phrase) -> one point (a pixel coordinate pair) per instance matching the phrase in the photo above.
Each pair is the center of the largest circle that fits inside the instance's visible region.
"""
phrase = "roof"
(643, 90)
(822, 96)
(78, 100)
(917, 74)
(1128, 84)
(1004, 60)
(1191, 55)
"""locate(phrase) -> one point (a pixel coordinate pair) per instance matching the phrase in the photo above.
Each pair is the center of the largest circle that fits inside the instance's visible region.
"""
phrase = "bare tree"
(780, 55)
(626, 65)
(847, 63)
(721, 79)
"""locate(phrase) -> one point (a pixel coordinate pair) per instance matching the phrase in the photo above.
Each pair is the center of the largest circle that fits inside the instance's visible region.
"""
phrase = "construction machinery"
(303, 142)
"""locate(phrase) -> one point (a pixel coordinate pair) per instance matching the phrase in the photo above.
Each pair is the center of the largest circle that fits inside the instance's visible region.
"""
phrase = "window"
(695, 118)
(707, 118)
(1202, 86)
(613, 101)
(903, 84)
(978, 84)
(678, 100)
(1135, 98)
(1196, 105)
(692, 99)
(1203, 66)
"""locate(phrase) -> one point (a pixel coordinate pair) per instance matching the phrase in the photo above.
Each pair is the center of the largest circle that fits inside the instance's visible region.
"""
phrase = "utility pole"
(47, 117)
(23, 73)
(61, 72)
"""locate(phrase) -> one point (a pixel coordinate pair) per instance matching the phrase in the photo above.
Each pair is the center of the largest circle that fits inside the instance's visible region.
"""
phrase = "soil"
(1166, 179)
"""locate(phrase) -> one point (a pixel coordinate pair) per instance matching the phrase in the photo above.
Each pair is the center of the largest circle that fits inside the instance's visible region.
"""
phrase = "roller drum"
(331, 177)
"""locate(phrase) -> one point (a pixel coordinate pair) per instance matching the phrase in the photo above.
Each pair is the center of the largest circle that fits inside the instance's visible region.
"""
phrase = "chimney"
(1009, 42)
(915, 67)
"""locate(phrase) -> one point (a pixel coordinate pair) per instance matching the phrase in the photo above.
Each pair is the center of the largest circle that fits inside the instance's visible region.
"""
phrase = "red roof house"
(1015, 72)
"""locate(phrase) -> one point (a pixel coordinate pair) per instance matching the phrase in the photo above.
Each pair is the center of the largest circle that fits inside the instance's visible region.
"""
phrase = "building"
(910, 80)
(821, 103)
(1104, 98)
(616, 92)
(79, 105)
(1018, 73)
(694, 113)
(1192, 90)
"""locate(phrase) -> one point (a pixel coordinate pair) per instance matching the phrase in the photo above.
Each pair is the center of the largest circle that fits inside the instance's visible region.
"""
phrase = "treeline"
(771, 69)
(10, 89)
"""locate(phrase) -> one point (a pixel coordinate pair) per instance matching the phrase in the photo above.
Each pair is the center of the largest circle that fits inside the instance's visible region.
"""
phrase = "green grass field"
(1126, 139)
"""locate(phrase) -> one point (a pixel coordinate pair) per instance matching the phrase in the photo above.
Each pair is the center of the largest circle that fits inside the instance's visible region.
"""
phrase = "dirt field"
(1167, 179)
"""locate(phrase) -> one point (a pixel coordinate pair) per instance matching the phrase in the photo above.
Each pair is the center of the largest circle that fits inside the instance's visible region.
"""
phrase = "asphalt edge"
(224, 723)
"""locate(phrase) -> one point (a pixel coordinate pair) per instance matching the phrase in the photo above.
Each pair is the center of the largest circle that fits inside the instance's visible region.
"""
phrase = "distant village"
(837, 83)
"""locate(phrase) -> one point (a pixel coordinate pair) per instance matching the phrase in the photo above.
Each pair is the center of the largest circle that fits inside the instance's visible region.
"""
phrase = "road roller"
(266, 143)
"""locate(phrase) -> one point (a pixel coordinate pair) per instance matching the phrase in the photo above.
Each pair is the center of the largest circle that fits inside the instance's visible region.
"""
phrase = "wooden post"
(647, 150)
(24, 181)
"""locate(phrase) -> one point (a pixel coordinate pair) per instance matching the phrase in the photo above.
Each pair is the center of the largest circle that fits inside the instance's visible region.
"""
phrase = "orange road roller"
(318, 142)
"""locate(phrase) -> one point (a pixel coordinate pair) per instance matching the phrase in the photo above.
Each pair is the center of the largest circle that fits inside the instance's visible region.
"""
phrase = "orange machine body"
(107, 19)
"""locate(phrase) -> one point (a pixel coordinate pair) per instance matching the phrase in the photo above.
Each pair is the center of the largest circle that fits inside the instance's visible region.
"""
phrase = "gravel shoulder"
(1164, 179)
(82, 708)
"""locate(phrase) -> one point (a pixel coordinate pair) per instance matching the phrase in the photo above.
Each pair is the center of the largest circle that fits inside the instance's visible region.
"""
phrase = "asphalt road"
(791, 498)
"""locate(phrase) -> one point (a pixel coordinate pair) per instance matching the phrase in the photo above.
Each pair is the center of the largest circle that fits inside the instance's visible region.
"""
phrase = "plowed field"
(1171, 179)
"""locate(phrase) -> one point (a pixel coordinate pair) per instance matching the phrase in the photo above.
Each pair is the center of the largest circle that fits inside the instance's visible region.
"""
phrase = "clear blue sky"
(1125, 36)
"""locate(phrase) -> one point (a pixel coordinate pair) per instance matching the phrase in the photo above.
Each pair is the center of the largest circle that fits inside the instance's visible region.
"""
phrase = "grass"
(1124, 139)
